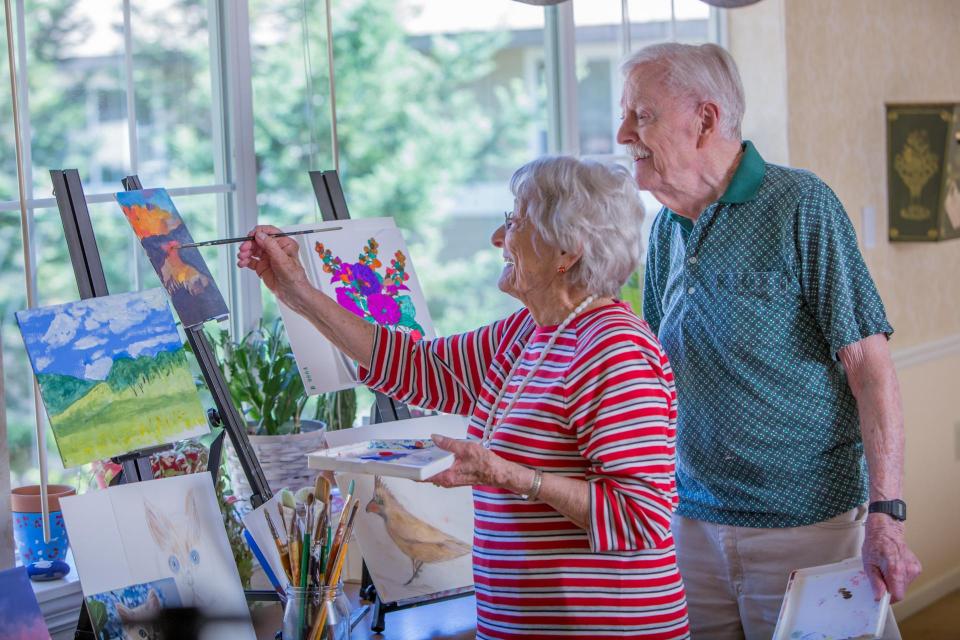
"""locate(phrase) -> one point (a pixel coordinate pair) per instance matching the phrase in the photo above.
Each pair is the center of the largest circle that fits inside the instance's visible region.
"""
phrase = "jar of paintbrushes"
(312, 549)
(322, 613)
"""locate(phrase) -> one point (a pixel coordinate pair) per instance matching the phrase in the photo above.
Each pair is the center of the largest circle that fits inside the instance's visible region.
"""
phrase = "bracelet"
(534, 490)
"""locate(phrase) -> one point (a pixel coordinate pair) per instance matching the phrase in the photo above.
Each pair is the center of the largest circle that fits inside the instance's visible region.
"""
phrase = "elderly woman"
(572, 408)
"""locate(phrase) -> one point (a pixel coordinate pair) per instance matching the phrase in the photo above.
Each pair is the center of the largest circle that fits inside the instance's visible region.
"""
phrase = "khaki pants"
(735, 577)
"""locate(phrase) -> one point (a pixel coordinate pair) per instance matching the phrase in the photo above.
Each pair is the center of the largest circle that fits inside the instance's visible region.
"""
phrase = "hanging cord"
(27, 266)
(334, 140)
(308, 77)
(625, 45)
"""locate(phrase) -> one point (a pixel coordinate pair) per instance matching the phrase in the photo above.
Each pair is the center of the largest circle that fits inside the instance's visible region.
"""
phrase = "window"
(228, 106)
(106, 90)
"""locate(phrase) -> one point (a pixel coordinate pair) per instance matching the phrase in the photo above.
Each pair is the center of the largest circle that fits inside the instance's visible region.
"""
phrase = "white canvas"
(830, 602)
(322, 367)
(395, 514)
(159, 529)
(255, 521)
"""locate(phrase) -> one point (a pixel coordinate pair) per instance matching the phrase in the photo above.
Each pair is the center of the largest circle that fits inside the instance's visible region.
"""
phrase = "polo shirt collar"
(744, 185)
(747, 178)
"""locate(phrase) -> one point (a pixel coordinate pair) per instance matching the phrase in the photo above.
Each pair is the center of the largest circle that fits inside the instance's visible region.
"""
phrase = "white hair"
(587, 206)
(701, 72)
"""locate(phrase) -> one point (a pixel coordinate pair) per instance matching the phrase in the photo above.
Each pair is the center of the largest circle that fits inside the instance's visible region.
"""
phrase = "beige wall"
(844, 60)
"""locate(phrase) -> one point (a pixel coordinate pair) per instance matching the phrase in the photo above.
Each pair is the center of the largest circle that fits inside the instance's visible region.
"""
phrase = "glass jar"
(316, 614)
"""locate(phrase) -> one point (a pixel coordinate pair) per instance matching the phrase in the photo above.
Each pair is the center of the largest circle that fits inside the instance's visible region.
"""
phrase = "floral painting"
(183, 272)
(366, 267)
(381, 299)
(113, 375)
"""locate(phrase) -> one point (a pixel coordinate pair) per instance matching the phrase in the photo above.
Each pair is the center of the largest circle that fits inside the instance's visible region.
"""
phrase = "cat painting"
(131, 613)
(167, 535)
(180, 544)
(137, 622)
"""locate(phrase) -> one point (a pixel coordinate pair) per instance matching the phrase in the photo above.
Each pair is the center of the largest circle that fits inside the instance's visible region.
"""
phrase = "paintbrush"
(294, 545)
(285, 234)
(281, 547)
(334, 578)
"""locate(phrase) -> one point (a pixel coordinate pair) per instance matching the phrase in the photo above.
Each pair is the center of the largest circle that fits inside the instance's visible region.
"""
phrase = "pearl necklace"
(488, 428)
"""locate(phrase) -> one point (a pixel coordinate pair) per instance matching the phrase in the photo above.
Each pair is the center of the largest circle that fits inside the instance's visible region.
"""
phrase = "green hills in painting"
(144, 401)
(61, 391)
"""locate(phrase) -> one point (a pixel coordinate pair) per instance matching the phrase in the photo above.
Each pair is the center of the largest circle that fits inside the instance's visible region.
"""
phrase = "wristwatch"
(896, 509)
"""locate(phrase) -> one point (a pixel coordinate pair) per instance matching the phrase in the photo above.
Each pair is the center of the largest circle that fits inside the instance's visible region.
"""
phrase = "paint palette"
(416, 459)
(831, 602)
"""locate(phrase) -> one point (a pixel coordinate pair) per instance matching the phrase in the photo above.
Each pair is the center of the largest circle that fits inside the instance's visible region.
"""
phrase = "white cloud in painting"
(137, 348)
(42, 363)
(89, 342)
(98, 370)
(62, 329)
(122, 312)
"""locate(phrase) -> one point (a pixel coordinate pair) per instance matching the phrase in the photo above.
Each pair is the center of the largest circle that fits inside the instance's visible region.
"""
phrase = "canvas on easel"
(113, 375)
(416, 538)
(153, 544)
(184, 273)
(366, 267)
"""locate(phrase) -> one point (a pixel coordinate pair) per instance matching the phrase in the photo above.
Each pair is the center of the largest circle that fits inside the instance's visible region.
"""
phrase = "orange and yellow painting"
(183, 272)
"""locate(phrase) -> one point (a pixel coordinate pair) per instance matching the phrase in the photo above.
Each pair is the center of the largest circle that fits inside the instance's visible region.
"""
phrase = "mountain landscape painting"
(183, 272)
(113, 375)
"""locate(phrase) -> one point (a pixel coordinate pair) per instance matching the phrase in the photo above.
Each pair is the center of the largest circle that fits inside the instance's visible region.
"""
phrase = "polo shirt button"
(691, 289)
(692, 260)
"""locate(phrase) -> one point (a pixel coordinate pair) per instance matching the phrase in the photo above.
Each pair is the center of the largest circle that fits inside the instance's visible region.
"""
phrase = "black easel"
(91, 282)
(333, 206)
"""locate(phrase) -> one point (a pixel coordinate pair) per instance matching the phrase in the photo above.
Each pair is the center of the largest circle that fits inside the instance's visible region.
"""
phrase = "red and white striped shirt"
(601, 408)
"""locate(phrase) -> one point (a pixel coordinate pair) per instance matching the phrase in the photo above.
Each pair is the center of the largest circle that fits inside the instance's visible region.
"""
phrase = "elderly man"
(756, 287)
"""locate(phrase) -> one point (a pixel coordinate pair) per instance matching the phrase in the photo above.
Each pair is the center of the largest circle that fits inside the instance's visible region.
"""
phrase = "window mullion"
(23, 87)
(235, 161)
(561, 74)
(133, 145)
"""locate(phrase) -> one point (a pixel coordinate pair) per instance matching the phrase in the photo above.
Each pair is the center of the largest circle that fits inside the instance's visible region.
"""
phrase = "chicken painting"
(184, 273)
(421, 542)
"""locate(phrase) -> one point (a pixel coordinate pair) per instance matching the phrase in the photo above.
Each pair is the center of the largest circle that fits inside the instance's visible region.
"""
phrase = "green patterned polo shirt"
(752, 304)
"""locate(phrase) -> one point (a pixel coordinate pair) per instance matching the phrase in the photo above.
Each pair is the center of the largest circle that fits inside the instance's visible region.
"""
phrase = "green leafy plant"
(262, 375)
(337, 410)
(234, 527)
(264, 381)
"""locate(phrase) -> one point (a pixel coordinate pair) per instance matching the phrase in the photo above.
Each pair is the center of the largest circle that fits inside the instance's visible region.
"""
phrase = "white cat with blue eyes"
(168, 530)
(180, 542)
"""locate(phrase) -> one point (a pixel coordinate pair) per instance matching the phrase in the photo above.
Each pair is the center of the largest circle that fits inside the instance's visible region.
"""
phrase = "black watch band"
(896, 509)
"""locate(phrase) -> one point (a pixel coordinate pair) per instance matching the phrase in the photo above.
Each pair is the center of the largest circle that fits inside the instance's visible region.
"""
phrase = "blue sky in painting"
(20, 617)
(82, 339)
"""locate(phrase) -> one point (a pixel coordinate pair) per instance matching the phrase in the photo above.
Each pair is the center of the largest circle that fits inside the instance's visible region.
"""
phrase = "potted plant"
(265, 384)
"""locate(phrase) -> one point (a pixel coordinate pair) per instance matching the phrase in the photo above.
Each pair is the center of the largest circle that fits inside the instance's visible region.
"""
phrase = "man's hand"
(888, 562)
